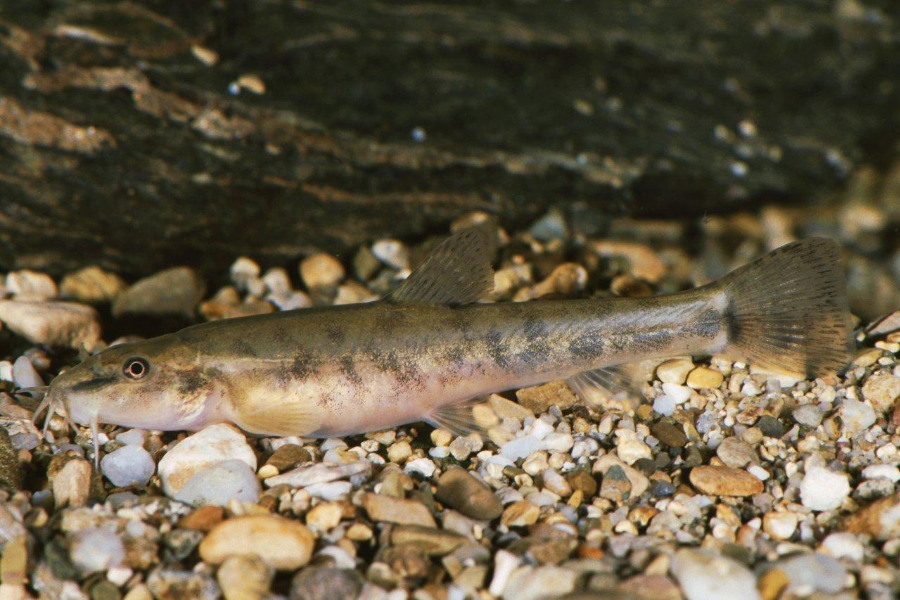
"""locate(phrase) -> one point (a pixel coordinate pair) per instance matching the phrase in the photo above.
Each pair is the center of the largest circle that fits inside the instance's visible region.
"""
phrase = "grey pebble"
(325, 583)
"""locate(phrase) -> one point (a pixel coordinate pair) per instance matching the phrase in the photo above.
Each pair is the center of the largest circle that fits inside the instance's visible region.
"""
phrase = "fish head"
(152, 384)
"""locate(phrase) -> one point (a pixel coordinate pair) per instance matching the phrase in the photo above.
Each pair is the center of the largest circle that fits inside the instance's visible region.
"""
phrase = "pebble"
(423, 466)
(433, 542)
(540, 398)
(551, 226)
(704, 378)
(704, 575)
(462, 447)
(558, 442)
(458, 489)
(520, 514)
(214, 444)
(399, 452)
(243, 272)
(324, 516)
(556, 483)
(856, 416)
(505, 563)
(220, 483)
(521, 447)
(881, 390)
(129, 465)
(170, 584)
(94, 550)
(780, 525)
(397, 510)
(25, 375)
(725, 481)
(319, 473)
(30, 285)
(674, 371)
(70, 480)
(616, 486)
(392, 253)
(631, 450)
(736, 453)
(244, 577)
(669, 434)
(10, 469)
(530, 583)
(91, 285)
(283, 544)
(843, 545)
(813, 572)
(327, 583)
(822, 489)
(321, 272)
(881, 519)
(175, 291)
(52, 323)
(889, 472)
(808, 415)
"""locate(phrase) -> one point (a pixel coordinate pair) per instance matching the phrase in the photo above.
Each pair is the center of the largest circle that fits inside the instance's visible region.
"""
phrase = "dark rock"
(458, 489)
(326, 583)
(770, 426)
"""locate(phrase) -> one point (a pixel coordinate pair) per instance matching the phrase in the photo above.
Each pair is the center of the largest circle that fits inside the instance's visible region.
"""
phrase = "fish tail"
(788, 311)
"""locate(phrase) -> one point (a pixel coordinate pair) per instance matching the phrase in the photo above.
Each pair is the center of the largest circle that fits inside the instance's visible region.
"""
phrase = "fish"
(432, 351)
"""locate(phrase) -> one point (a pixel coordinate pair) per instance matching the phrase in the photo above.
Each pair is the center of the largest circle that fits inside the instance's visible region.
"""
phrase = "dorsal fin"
(457, 272)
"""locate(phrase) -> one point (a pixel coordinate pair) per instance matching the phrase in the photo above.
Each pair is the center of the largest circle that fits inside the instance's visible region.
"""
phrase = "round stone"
(283, 544)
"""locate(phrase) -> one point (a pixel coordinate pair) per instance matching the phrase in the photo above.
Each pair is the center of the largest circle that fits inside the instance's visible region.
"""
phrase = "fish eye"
(136, 368)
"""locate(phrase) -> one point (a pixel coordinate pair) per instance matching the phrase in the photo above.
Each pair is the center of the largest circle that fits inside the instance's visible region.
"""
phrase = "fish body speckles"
(425, 351)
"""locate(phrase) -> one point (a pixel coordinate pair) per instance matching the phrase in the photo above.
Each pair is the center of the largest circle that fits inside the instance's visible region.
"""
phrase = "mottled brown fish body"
(427, 348)
(379, 365)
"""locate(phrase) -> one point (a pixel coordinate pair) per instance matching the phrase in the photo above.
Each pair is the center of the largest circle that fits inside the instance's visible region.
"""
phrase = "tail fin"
(788, 310)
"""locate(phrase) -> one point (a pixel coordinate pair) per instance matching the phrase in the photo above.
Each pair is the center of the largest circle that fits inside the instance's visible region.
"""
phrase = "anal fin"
(592, 387)
(458, 418)
(279, 416)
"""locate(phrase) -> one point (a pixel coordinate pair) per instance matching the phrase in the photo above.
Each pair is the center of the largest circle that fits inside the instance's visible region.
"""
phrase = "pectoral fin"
(592, 386)
(277, 416)
(458, 418)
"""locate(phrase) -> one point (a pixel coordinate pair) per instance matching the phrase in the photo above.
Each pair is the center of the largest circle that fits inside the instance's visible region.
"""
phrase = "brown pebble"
(881, 519)
(70, 479)
(431, 541)
(284, 544)
(669, 434)
(539, 398)
(203, 519)
(458, 489)
(397, 510)
(520, 513)
(582, 480)
(288, 457)
(725, 481)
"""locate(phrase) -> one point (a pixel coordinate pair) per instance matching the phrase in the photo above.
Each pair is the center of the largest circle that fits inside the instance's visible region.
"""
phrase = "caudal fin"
(788, 310)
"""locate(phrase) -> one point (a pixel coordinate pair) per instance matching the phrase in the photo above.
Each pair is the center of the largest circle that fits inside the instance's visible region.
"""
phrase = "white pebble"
(6, 370)
(822, 489)
(420, 465)
(521, 447)
(214, 444)
(890, 472)
(392, 253)
(30, 285)
(119, 575)
(843, 545)
(129, 465)
(24, 373)
(558, 442)
(704, 575)
(857, 416)
(504, 564)
(219, 484)
(679, 393)
(96, 550)
(541, 429)
(664, 405)
(331, 491)
(132, 437)
(631, 450)
(277, 281)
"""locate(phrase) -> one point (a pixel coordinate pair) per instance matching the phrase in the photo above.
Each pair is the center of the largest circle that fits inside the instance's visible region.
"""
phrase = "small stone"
(462, 447)
(219, 484)
(811, 572)
(780, 525)
(631, 450)
(507, 409)
(321, 272)
(556, 483)
(56, 324)
(678, 393)
(392, 253)
(423, 466)
(539, 398)
(770, 426)
(674, 371)
(397, 510)
(319, 474)
(664, 405)
(881, 390)
(267, 471)
(889, 472)
(203, 519)
(558, 442)
(92, 285)
(881, 519)
(704, 575)
(175, 291)
(552, 226)
(30, 285)
(24, 373)
(167, 583)
(324, 516)
(327, 583)
(129, 465)
(669, 434)
(704, 378)
(10, 470)
(582, 480)
(548, 581)
(616, 486)
(520, 514)
(441, 437)
(94, 550)
(822, 489)
(458, 489)
(244, 578)
(433, 542)
(521, 447)
(70, 479)
(505, 563)
(365, 265)
(843, 545)
(132, 437)
(283, 544)
(725, 481)
(182, 542)
(856, 416)
(14, 563)
(736, 453)
(289, 456)
(649, 587)
(808, 415)
(399, 452)
(214, 444)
